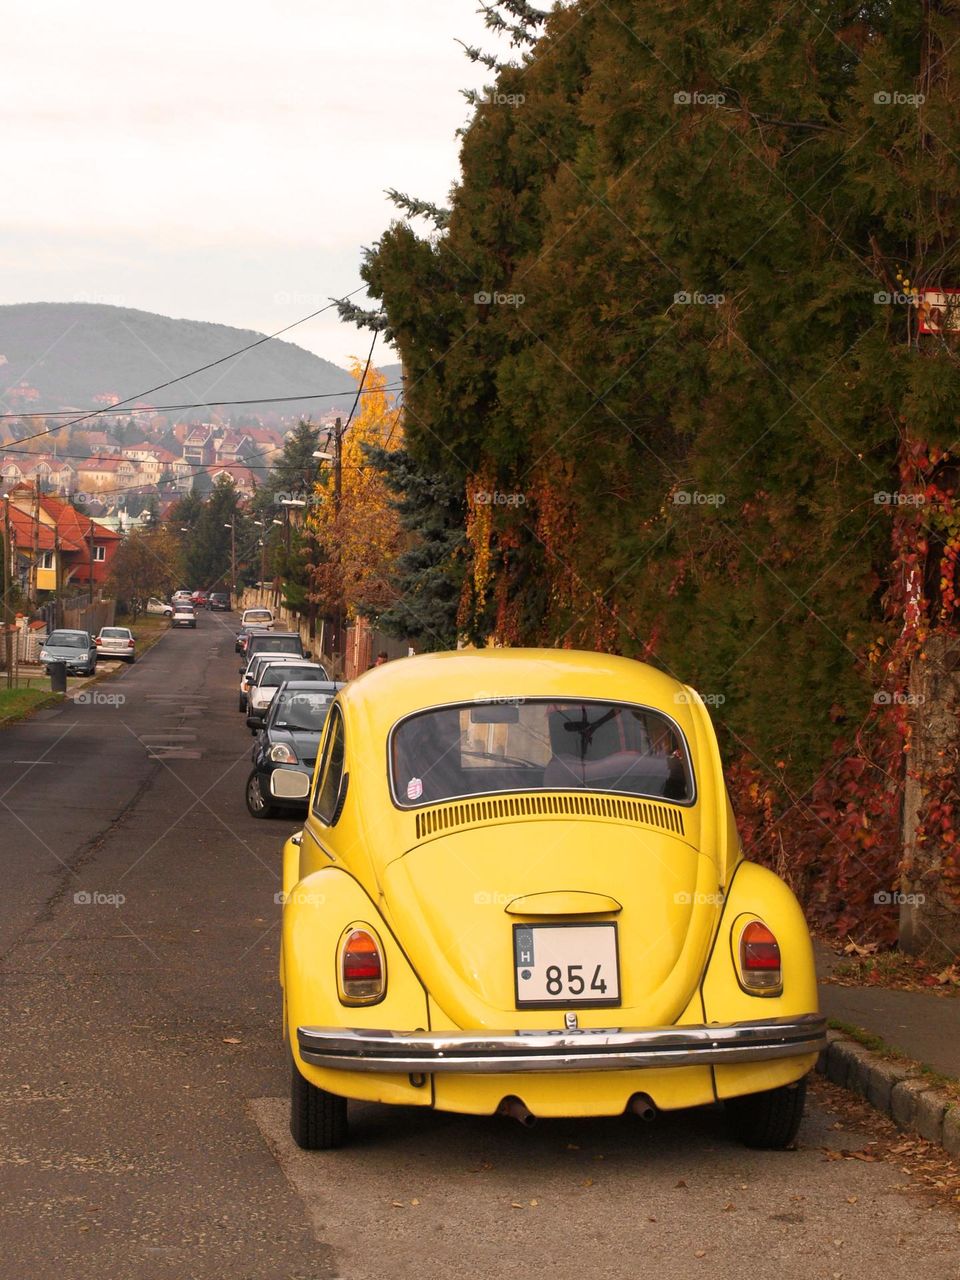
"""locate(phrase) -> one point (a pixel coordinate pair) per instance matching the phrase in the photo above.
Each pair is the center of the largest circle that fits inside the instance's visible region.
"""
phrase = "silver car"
(184, 615)
(75, 648)
(116, 642)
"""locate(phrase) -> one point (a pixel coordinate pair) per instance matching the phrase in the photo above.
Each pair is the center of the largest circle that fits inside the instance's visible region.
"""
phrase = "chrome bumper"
(503, 1053)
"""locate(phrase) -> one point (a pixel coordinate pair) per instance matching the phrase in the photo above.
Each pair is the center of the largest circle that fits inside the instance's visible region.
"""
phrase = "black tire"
(769, 1121)
(318, 1120)
(258, 806)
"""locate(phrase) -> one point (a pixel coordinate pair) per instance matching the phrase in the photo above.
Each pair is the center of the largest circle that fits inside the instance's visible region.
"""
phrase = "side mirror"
(241, 670)
(254, 723)
(308, 653)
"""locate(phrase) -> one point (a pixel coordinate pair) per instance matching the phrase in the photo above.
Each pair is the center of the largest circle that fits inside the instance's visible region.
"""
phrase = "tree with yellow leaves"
(358, 538)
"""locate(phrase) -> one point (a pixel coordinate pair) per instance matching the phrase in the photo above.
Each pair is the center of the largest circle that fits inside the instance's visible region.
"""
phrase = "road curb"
(898, 1089)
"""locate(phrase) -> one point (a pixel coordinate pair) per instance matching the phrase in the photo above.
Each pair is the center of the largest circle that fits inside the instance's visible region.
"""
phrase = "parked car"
(251, 672)
(156, 606)
(200, 599)
(182, 597)
(274, 642)
(253, 620)
(271, 676)
(220, 601)
(116, 642)
(286, 747)
(523, 869)
(184, 615)
(75, 648)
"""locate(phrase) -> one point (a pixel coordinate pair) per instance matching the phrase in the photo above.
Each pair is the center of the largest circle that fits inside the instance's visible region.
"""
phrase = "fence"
(363, 642)
(78, 614)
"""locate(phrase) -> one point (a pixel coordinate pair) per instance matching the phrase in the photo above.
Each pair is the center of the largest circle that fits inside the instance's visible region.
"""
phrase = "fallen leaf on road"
(534, 1203)
(396, 1204)
(680, 1183)
(515, 1204)
(729, 1208)
(852, 1199)
(587, 1182)
(231, 1040)
(701, 1253)
(414, 1201)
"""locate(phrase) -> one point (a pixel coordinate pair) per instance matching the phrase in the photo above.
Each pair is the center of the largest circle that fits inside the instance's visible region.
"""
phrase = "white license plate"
(568, 964)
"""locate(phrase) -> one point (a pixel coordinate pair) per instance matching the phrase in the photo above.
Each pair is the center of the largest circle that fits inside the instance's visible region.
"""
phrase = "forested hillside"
(81, 355)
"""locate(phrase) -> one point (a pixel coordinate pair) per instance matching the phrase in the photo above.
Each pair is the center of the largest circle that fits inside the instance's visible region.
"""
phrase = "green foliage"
(694, 389)
(429, 572)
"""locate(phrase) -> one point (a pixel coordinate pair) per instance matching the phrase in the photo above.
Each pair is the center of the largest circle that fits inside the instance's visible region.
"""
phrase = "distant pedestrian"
(382, 657)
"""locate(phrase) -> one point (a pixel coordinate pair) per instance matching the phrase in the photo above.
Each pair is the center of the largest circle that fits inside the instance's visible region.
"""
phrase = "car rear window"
(276, 673)
(536, 744)
(115, 633)
(256, 615)
(276, 644)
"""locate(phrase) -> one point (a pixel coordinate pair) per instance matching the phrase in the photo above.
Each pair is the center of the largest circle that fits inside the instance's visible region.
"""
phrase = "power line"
(268, 337)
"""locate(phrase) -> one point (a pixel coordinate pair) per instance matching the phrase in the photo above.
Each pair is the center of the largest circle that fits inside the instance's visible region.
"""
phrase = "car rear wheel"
(257, 803)
(769, 1120)
(318, 1120)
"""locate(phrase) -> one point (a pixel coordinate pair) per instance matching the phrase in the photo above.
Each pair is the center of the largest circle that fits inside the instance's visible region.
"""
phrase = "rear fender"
(755, 891)
(315, 913)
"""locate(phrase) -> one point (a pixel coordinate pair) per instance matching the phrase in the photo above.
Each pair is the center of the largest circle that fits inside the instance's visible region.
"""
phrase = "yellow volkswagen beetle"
(520, 889)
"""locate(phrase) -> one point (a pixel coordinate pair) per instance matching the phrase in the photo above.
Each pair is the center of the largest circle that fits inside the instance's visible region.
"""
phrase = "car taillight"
(129, 644)
(759, 952)
(360, 967)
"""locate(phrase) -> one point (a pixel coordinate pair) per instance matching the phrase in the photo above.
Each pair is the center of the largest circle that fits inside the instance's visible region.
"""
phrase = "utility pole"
(91, 560)
(7, 590)
(35, 558)
(337, 464)
(233, 556)
(57, 579)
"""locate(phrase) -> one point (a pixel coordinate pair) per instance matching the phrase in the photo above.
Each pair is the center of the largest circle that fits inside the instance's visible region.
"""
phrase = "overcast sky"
(220, 159)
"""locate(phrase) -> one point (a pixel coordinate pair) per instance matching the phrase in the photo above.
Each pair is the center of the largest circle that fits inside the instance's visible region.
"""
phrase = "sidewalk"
(917, 1088)
(918, 1024)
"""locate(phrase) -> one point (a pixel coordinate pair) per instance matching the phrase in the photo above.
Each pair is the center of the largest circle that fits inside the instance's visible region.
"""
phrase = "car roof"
(310, 686)
(396, 689)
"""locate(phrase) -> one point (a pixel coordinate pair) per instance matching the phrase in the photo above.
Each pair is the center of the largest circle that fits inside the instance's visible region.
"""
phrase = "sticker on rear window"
(414, 789)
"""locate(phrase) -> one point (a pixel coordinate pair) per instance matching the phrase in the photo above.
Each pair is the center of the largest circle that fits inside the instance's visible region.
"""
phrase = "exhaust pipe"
(642, 1105)
(517, 1110)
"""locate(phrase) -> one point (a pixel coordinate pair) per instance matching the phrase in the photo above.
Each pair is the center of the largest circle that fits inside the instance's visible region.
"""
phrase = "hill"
(66, 355)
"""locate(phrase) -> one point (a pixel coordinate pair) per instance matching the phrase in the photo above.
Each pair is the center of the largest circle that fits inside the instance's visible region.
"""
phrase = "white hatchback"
(116, 642)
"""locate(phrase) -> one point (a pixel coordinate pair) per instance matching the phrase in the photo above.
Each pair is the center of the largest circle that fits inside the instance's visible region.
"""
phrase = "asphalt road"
(142, 1085)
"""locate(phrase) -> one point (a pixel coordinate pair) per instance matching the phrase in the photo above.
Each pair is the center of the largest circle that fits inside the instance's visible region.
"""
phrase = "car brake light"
(760, 968)
(361, 967)
(129, 644)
